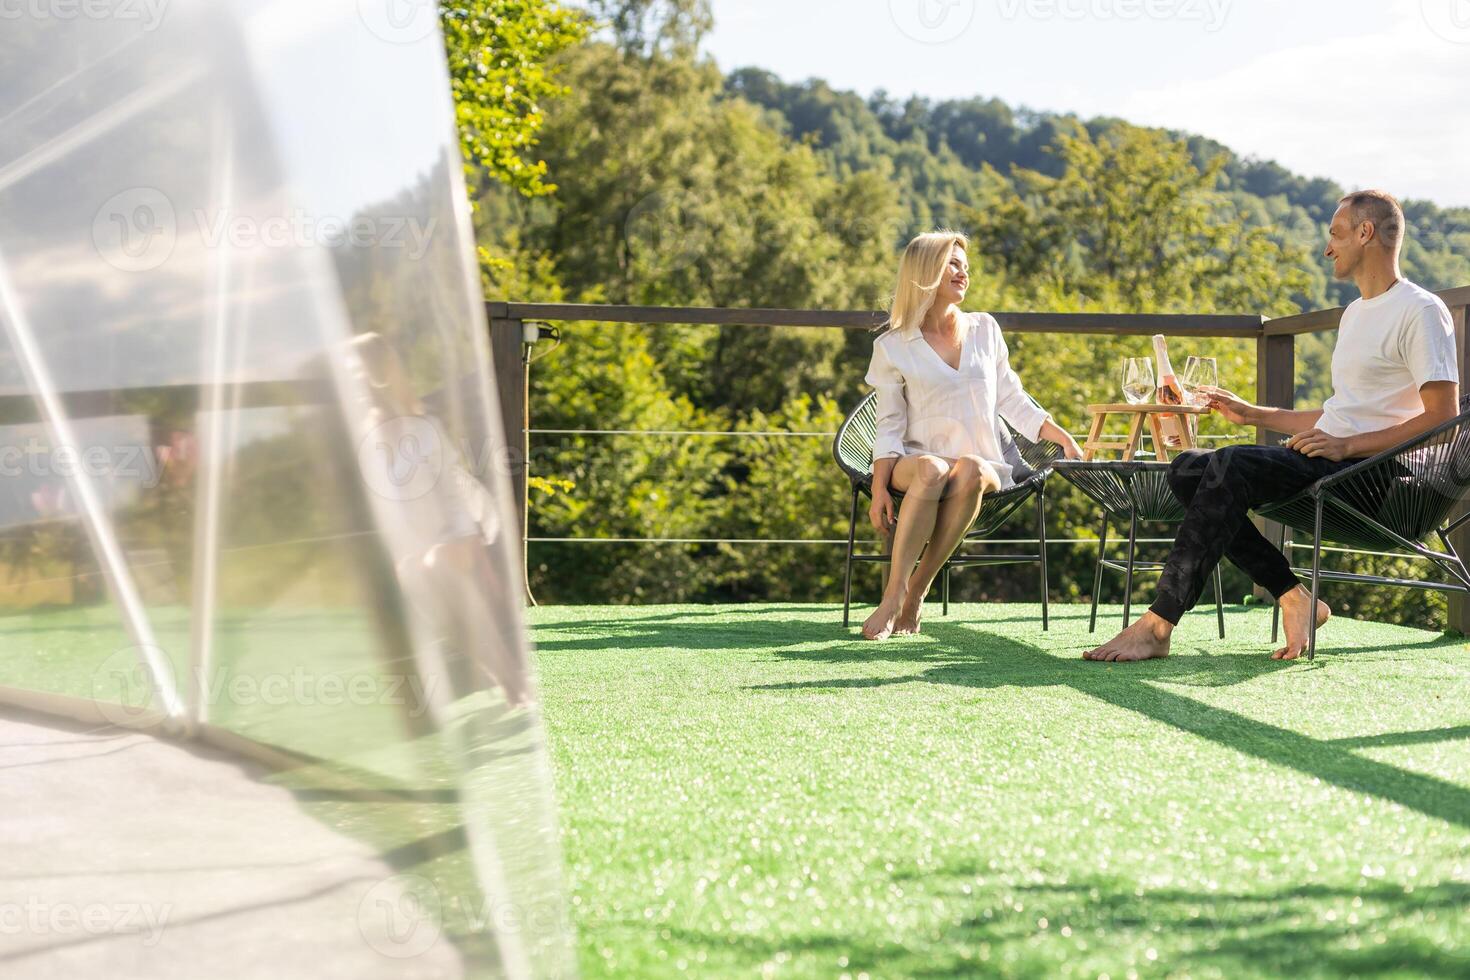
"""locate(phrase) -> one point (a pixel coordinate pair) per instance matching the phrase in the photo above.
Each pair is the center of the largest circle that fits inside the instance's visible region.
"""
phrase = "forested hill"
(939, 150)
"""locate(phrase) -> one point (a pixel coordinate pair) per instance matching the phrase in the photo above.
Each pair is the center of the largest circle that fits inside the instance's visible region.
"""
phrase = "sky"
(1369, 93)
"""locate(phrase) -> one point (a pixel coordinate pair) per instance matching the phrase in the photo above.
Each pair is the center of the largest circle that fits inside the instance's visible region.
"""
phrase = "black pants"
(1218, 490)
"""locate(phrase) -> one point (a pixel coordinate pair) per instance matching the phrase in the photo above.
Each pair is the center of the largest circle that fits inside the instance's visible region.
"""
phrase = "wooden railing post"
(1459, 605)
(1276, 387)
(511, 371)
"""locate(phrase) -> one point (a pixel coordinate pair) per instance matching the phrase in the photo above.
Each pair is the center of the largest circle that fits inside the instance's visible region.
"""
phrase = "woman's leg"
(970, 478)
(921, 479)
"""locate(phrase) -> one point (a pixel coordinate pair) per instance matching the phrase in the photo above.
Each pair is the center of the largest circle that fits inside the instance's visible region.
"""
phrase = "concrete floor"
(122, 856)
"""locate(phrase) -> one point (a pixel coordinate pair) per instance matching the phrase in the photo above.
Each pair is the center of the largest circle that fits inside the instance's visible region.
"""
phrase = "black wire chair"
(1392, 502)
(852, 448)
(1129, 492)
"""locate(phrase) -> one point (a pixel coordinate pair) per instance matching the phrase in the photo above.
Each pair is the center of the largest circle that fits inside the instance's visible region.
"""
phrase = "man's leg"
(1248, 549)
(1221, 488)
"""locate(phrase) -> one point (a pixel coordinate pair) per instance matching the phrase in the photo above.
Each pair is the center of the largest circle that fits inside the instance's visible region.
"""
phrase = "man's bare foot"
(1144, 640)
(879, 626)
(1294, 606)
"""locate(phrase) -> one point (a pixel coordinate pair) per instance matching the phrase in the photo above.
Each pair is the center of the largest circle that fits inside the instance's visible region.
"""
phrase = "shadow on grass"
(971, 658)
(1291, 932)
(739, 633)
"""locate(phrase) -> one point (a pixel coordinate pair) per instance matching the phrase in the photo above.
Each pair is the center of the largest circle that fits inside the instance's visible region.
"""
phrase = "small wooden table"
(1140, 413)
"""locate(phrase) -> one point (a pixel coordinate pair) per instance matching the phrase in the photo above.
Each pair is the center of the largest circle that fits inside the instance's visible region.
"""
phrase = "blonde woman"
(944, 384)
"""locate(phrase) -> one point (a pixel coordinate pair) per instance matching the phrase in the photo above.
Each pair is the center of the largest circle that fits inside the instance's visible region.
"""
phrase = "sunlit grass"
(750, 790)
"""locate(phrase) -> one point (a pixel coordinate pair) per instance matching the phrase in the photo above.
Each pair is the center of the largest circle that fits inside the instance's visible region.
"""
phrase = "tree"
(656, 28)
(500, 66)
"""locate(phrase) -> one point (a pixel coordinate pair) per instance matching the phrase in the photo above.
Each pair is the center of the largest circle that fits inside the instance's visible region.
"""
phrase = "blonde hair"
(920, 272)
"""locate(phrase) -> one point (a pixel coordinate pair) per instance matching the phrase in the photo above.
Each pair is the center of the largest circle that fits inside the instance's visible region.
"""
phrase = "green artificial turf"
(750, 790)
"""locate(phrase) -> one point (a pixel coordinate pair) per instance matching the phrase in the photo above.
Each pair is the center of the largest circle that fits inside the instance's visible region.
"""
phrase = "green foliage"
(785, 487)
(1130, 225)
(622, 486)
(499, 54)
(680, 187)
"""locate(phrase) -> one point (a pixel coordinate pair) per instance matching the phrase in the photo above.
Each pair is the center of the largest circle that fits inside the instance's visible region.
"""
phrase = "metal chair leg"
(1102, 553)
(1316, 577)
(945, 587)
(847, 573)
(1128, 576)
(1041, 550)
(1276, 606)
(1219, 606)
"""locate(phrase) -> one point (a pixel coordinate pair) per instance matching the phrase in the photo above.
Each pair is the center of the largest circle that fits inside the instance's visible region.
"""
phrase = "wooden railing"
(1275, 354)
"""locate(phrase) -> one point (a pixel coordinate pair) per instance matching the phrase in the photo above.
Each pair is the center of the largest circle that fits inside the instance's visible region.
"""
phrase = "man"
(1394, 376)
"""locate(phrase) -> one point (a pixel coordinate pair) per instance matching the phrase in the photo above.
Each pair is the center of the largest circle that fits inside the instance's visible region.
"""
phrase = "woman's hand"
(882, 511)
(1052, 432)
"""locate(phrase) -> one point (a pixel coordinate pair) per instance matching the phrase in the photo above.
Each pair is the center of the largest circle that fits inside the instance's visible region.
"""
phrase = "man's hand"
(881, 513)
(1070, 449)
(1315, 442)
(1228, 404)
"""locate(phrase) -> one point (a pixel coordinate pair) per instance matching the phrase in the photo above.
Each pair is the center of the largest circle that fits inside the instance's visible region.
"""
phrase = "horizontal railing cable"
(722, 432)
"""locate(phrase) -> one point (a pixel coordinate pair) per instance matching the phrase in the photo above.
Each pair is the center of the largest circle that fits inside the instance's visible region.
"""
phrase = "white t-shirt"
(1387, 348)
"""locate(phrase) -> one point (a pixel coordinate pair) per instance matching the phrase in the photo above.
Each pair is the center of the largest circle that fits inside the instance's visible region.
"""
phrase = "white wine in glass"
(1138, 380)
(1199, 372)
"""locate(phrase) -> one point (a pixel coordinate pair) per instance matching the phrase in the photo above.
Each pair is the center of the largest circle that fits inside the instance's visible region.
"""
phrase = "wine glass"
(1138, 379)
(1199, 372)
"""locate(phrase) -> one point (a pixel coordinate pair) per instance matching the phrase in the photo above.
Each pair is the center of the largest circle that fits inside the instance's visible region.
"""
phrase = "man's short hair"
(1381, 208)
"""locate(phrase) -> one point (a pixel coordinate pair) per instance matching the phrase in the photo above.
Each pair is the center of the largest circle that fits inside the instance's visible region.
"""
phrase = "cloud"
(1380, 110)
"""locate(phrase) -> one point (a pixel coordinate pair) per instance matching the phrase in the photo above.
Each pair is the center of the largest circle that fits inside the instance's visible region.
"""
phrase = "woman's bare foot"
(879, 626)
(1144, 640)
(907, 623)
(1294, 606)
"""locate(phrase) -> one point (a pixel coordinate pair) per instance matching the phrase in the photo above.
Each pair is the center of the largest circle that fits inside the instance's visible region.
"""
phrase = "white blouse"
(926, 406)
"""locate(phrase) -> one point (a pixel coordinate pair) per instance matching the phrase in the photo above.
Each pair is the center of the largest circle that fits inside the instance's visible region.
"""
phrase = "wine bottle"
(1169, 393)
